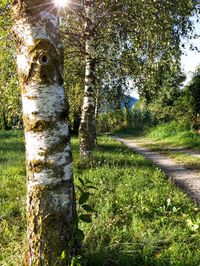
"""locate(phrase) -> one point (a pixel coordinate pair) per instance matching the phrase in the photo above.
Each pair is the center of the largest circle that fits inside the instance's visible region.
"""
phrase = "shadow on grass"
(111, 148)
(136, 257)
(10, 134)
(3, 160)
(11, 141)
(130, 132)
(14, 146)
(113, 257)
(100, 162)
(113, 156)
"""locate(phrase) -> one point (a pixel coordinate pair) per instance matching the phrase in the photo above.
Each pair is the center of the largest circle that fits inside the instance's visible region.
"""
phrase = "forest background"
(153, 65)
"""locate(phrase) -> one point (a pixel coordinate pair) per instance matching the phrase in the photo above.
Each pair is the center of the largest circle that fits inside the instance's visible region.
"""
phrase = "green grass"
(12, 198)
(175, 134)
(187, 160)
(190, 162)
(171, 135)
(139, 217)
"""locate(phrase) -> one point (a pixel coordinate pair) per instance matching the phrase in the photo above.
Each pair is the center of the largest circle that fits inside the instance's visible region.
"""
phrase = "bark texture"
(87, 128)
(50, 191)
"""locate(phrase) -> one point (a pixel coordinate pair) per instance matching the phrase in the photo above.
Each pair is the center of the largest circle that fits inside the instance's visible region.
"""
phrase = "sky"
(189, 60)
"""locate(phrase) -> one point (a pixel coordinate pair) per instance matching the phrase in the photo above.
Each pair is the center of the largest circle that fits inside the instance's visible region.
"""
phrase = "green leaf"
(81, 181)
(92, 187)
(87, 208)
(88, 182)
(79, 235)
(84, 197)
(63, 255)
(85, 218)
(80, 189)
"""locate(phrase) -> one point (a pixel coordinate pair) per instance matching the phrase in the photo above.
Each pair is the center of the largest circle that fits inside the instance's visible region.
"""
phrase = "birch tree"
(84, 41)
(126, 39)
(50, 190)
(87, 128)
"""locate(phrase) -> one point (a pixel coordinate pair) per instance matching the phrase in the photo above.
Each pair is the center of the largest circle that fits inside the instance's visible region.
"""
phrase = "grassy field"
(139, 217)
(175, 134)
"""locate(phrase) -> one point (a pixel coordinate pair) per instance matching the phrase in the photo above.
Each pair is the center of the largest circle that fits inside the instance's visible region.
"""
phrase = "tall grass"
(177, 133)
(139, 217)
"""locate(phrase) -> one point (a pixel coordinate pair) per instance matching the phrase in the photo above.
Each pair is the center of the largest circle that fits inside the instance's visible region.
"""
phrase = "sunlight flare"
(61, 3)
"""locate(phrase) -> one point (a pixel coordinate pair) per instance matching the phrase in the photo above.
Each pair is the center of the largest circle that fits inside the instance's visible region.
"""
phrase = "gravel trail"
(188, 180)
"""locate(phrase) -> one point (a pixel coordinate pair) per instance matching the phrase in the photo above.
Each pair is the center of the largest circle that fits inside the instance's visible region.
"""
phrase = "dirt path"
(187, 151)
(188, 180)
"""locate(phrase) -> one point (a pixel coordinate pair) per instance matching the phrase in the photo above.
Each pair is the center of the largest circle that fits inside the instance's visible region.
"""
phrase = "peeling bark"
(50, 190)
(87, 128)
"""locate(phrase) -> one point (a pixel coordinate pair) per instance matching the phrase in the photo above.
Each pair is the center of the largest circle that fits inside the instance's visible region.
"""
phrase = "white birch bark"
(50, 191)
(87, 129)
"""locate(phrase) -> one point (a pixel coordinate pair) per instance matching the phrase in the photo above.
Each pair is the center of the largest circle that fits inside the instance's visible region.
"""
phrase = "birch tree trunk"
(50, 190)
(87, 128)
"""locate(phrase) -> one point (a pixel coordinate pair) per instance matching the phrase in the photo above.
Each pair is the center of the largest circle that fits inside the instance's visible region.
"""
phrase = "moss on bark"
(50, 198)
(45, 217)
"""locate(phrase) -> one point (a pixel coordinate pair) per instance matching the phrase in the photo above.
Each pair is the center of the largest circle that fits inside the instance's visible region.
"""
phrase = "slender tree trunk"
(87, 128)
(3, 121)
(50, 190)
(97, 103)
